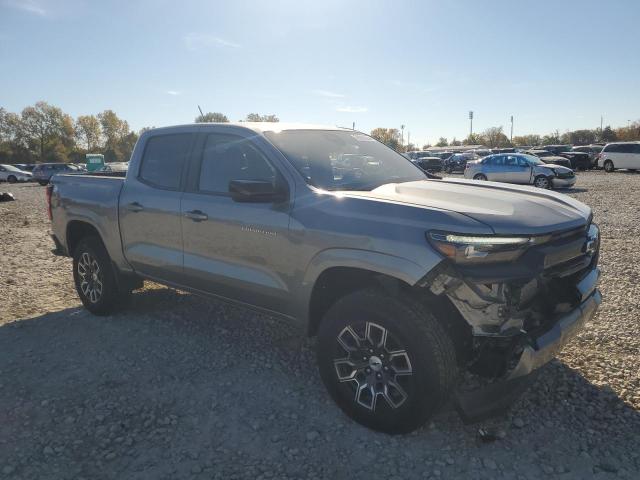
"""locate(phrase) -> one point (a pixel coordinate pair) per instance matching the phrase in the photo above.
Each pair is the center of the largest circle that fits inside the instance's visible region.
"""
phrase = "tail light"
(48, 192)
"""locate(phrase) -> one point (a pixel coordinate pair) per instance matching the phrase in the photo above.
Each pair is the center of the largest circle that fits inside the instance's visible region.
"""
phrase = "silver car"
(520, 168)
(11, 174)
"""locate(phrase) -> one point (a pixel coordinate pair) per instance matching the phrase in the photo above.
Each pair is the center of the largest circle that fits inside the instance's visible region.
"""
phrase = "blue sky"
(424, 64)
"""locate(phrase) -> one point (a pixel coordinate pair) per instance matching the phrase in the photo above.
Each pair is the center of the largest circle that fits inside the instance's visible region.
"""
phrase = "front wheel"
(385, 361)
(94, 277)
(608, 166)
(12, 179)
(542, 182)
(480, 176)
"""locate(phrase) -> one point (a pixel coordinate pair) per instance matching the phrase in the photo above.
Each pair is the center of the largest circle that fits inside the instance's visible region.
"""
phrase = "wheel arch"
(337, 272)
(77, 230)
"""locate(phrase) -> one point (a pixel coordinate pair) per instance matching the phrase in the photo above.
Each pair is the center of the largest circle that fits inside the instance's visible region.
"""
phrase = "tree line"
(44, 133)
(495, 137)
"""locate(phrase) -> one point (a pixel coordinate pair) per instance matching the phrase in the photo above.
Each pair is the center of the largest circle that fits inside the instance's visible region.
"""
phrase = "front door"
(149, 209)
(237, 250)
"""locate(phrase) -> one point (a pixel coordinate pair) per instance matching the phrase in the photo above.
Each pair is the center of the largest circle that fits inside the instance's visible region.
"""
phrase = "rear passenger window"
(229, 157)
(636, 148)
(163, 158)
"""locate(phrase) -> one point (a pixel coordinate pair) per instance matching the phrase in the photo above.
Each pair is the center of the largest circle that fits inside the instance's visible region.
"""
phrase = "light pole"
(511, 136)
(470, 123)
(402, 135)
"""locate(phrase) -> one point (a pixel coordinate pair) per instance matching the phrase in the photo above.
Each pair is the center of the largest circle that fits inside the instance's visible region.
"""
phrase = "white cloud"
(173, 92)
(349, 109)
(195, 41)
(328, 94)
(28, 6)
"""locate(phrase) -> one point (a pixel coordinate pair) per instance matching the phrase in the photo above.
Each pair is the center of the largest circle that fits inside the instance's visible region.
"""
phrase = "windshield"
(11, 168)
(342, 160)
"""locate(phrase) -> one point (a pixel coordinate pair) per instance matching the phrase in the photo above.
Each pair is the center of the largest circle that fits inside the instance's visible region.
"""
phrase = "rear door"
(237, 250)
(149, 208)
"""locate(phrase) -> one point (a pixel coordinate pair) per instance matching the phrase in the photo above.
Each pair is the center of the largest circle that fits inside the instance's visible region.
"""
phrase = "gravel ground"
(183, 387)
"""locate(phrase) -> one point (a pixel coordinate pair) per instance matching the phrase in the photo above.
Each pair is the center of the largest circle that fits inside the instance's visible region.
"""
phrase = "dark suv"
(43, 172)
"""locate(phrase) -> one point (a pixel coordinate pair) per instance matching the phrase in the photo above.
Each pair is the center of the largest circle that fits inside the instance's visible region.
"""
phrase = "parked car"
(520, 168)
(458, 161)
(548, 157)
(579, 160)
(43, 172)
(429, 164)
(12, 174)
(25, 167)
(114, 167)
(592, 150)
(403, 279)
(555, 149)
(620, 155)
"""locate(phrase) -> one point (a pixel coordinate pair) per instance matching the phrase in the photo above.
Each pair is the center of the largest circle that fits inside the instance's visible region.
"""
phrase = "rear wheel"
(608, 166)
(43, 183)
(480, 176)
(95, 278)
(542, 182)
(385, 361)
(12, 179)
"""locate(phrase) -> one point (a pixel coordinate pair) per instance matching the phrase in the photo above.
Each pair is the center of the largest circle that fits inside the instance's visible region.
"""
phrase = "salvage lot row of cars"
(551, 166)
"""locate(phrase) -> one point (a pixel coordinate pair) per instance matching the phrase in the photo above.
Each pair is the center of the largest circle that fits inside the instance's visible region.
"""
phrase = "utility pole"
(511, 136)
(402, 135)
(470, 122)
(408, 138)
(353, 127)
(600, 123)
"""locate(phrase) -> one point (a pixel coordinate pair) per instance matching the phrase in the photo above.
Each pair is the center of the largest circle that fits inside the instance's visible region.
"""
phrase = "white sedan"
(11, 174)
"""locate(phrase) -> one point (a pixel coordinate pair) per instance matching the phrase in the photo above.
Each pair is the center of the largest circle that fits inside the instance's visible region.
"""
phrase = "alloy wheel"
(375, 365)
(90, 277)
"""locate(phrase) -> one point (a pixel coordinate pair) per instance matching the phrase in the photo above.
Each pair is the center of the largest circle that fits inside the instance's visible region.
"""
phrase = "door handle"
(196, 215)
(135, 207)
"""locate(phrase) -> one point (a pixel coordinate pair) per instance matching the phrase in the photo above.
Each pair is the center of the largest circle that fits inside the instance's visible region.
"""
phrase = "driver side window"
(230, 157)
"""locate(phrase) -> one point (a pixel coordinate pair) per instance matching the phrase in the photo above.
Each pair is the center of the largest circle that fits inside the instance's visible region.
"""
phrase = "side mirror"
(256, 191)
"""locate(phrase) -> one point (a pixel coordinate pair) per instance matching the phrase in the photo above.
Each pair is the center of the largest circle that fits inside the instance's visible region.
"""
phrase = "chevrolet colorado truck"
(407, 281)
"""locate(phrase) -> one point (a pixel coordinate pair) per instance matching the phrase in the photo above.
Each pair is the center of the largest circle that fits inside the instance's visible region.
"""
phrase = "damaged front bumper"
(519, 315)
(543, 348)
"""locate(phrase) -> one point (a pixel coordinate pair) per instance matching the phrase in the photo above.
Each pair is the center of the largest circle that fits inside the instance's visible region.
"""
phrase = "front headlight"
(481, 248)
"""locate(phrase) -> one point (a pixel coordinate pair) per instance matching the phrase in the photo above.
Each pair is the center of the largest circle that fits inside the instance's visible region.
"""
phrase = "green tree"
(494, 137)
(212, 117)
(551, 139)
(455, 142)
(579, 137)
(528, 140)
(608, 135)
(389, 136)
(442, 142)
(114, 132)
(474, 139)
(256, 117)
(87, 130)
(47, 131)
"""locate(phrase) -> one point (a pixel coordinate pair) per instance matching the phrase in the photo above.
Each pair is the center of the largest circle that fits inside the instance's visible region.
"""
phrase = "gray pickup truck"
(407, 280)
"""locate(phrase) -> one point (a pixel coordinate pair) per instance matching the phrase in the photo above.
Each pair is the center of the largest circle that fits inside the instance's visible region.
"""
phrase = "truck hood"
(505, 208)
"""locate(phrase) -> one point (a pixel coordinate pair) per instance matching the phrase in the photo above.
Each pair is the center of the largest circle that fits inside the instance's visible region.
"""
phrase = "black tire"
(541, 181)
(101, 274)
(12, 179)
(608, 166)
(43, 183)
(480, 176)
(429, 356)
